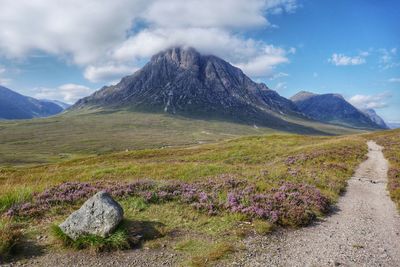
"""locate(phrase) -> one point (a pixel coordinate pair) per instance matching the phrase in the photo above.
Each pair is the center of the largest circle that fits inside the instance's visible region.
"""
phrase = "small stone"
(99, 215)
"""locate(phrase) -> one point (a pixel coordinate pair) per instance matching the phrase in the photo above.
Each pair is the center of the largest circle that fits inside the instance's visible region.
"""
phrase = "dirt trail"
(365, 230)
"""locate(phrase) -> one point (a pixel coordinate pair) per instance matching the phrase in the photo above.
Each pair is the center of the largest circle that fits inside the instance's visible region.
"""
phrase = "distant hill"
(375, 117)
(17, 106)
(58, 103)
(393, 125)
(184, 82)
(333, 108)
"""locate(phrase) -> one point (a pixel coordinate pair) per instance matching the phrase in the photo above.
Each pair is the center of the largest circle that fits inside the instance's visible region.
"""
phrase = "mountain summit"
(333, 108)
(182, 81)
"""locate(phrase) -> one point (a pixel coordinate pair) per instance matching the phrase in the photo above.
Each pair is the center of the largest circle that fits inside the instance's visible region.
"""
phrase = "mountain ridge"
(371, 113)
(16, 106)
(333, 108)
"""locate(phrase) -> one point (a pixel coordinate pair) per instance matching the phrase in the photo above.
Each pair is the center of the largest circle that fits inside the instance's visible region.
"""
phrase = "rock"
(99, 215)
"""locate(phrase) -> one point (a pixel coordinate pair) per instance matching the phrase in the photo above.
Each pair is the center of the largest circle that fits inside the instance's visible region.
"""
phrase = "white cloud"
(254, 57)
(263, 64)
(82, 30)
(279, 75)
(207, 13)
(370, 101)
(388, 58)
(394, 80)
(68, 93)
(109, 37)
(3, 81)
(342, 60)
(281, 86)
(107, 72)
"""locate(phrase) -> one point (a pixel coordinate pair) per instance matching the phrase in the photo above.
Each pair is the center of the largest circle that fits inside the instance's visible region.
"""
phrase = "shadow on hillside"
(265, 120)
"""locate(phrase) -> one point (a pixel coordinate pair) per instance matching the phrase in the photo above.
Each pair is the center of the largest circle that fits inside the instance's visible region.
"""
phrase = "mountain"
(58, 103)
(17, 106)
(375, 117)
(393, 125)
(332, 108)
(182, 81)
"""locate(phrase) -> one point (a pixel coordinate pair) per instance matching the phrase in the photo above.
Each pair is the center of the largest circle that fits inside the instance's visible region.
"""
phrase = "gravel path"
(365, 230)
(136, 257)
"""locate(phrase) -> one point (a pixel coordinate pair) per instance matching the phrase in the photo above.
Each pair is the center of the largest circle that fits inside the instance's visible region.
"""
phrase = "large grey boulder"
(99, 215)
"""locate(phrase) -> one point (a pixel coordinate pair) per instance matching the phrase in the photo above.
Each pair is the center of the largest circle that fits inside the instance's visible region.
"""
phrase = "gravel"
(364, 231)
(135, 257)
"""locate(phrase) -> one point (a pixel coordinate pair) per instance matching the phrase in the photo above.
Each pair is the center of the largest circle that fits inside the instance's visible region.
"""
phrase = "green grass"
(14, 196)
(118, 240)
(76, 135)
(325, 162)
(70, 136)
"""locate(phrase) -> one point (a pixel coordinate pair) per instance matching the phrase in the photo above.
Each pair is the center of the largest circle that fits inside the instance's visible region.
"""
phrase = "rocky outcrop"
(99, 215)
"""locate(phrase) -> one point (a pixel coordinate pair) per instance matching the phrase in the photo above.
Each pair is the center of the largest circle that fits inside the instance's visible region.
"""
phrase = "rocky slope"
(17, 106)
(333, 108)
(182, 81)
(375, 117)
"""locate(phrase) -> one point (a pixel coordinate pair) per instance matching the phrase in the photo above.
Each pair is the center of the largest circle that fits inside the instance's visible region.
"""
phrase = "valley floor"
(364, 231)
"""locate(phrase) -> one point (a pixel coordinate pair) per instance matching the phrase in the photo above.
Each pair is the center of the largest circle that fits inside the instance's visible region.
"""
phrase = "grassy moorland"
(390, 141)
(199, 200)
(75, 135)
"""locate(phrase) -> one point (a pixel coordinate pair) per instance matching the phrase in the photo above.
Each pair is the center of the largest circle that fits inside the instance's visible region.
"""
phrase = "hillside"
(91, 132)
(17, 106)
(333, 108)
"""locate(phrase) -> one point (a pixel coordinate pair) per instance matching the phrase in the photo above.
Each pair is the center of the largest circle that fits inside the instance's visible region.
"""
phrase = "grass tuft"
(263, 227)
(215, 253)
(119, 240)
(10, 236)
(14, 196)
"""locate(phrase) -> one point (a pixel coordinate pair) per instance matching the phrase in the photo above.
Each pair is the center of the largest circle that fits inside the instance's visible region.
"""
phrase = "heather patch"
(286, 204)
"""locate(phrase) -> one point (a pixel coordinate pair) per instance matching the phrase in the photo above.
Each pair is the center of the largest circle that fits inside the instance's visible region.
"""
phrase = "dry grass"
(10, 236)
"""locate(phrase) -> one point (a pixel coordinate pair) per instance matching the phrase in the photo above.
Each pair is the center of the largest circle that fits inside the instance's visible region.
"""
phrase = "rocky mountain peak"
(183, 57)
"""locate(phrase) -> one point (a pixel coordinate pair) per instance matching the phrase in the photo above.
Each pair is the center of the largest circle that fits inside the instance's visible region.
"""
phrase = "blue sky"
(65, 52)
